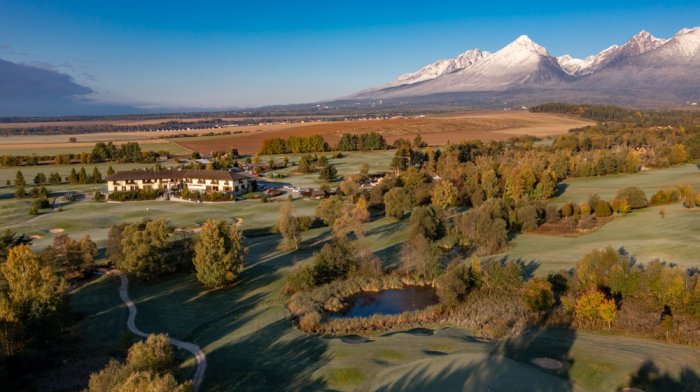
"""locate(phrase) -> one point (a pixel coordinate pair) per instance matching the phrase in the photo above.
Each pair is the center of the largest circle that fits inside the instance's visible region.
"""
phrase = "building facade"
(204, 181)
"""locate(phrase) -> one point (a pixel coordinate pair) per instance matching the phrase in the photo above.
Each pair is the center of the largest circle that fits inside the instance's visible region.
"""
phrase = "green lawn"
(578, 189)
(378, 161)
(250, 344)
(9, 173)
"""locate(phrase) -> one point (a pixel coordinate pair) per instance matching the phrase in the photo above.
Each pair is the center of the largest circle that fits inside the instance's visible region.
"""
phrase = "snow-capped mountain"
(441, 67)
(641, 43)
(644, 61)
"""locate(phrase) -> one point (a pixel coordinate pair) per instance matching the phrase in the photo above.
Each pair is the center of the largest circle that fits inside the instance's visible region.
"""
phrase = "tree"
(96, 175)
(608, 311)
(426, 221)
(396, 203)
(82, 176)
(40, 179)
(419, 258)
(20, 183)
(149, 366)
(444, 195)
(634, 196)
(329, 209)
(110, 170)
(304, 165)
(328, 173)
(289, 227)
(351, 218)
(144, 248)
(219, 253)
(587, 307)
(8, 240)
(31, 295)
(19, 180)
(538, 295)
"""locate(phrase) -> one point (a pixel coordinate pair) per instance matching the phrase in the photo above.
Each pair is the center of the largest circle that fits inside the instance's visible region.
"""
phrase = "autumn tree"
(351, 218)
(426, 221)
(219, 253)
(144, 248)
(30, 297)
(328, 173)
(329, 209)
(419, 258)
(149, 366)
(444, 195)
(396, 203)
(289, 227)
(538, 295)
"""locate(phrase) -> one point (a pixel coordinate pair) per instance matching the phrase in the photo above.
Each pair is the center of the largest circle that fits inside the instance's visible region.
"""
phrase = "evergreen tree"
(96, 175)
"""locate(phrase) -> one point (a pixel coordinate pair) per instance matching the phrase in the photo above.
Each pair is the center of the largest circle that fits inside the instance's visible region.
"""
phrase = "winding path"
(131, 324)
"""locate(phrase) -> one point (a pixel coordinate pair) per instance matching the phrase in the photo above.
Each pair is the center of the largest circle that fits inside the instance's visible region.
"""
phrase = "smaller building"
(204, 181)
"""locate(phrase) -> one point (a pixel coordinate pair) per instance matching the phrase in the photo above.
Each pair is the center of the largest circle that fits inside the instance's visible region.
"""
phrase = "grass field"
(250, 344)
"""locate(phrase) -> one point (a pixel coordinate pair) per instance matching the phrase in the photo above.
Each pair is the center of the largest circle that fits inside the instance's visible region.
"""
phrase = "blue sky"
(209, 54)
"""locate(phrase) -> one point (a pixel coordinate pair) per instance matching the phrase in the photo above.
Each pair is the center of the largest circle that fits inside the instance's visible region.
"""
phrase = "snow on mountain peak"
(524, 42)
(685, 43)
(441, 67)
(641, 43)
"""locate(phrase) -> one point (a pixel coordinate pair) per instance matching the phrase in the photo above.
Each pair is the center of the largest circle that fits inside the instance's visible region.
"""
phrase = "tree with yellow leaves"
(32, 293)
(444, 195)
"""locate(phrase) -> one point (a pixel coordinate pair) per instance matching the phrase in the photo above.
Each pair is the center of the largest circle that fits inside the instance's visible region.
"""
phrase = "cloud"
(5, 47)
(37, 86)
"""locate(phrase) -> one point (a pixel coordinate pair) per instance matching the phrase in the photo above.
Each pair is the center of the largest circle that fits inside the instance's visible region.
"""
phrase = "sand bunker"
(354, 339)
(547, 363)
(56, 230)
(36, 236)
(632, 390)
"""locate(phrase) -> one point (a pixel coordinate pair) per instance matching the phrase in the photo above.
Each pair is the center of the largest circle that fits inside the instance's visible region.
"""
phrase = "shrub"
(136, 195)
(621, 206)
(634, 196)
(602, 209)
(538, 295)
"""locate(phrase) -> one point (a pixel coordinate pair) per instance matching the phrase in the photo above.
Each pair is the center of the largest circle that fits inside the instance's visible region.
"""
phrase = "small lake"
(409, 298)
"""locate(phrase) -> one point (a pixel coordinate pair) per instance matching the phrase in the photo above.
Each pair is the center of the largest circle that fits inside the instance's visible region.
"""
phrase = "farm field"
(64, 147)
(435, 130)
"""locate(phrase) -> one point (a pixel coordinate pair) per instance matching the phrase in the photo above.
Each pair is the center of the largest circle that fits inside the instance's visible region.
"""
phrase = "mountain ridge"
(644, 62)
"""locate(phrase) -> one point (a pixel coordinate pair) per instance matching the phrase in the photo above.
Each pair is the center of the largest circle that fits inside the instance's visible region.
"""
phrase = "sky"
(228, 54)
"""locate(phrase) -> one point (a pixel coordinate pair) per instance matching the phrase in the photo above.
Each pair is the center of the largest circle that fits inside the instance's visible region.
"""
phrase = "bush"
(634, 196)
(621, 206)
(136, 195)
(602, 209)
(665, 196)
(538, 295)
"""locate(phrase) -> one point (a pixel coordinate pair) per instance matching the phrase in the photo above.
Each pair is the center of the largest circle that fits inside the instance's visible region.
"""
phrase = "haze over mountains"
(645, 70)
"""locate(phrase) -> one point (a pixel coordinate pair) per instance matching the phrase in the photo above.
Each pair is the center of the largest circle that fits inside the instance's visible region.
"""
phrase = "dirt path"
(131, 324)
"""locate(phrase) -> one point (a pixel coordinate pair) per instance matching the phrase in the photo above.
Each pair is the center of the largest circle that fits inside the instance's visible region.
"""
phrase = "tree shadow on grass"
(527, 268)
(537, 361)
(272, 358)
(650, 379)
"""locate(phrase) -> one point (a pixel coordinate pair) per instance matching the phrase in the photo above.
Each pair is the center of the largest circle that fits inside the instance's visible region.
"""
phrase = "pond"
(409, 298)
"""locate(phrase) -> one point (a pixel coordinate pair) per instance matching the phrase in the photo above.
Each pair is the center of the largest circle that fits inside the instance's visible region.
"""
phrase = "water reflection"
(388, 301)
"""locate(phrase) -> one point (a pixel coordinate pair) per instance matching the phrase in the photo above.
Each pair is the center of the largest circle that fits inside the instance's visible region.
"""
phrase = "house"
(205, 181)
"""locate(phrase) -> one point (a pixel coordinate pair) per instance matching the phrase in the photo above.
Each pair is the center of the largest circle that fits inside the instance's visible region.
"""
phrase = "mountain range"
(646, 69)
